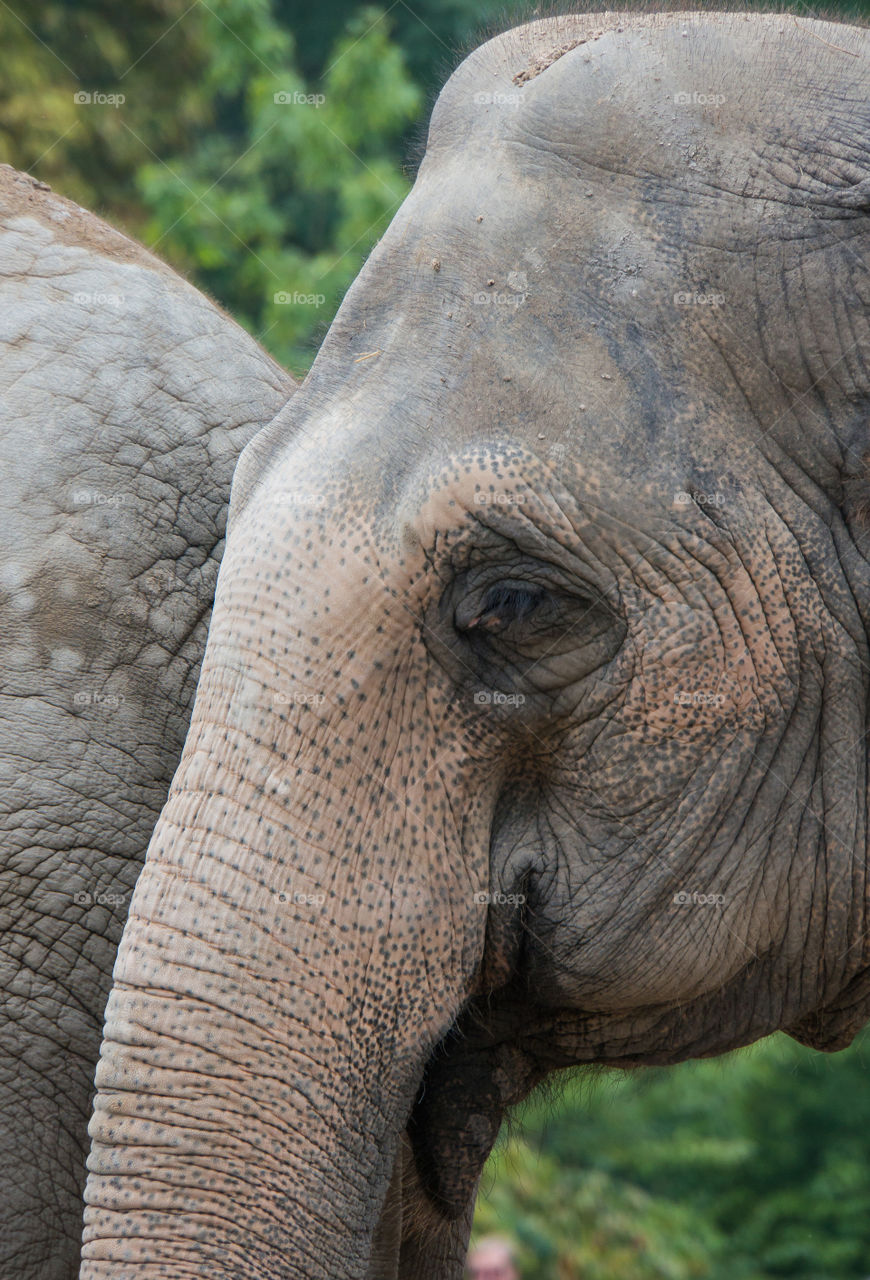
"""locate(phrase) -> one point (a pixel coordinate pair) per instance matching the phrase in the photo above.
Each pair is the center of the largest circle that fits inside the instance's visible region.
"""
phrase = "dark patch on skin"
(546, 60)
(856, 496)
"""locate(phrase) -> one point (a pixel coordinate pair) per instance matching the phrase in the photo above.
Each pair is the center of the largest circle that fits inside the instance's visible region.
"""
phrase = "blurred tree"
(766, 1153)
(92, 149)
(431, 33)
(275, 211)
(267, 190)
(574, 1225)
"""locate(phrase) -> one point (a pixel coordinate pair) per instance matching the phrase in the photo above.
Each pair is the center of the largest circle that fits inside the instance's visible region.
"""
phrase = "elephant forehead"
(669, 95)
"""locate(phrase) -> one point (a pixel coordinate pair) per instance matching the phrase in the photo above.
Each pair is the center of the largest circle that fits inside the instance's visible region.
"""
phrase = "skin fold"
(126, 400)
(530, 728)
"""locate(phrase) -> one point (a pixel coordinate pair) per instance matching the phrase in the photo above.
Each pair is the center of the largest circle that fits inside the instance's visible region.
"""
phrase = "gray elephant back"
(126, 398)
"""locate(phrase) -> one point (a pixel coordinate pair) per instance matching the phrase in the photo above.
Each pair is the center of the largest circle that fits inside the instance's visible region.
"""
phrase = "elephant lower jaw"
(815, 1035)
(469, 1083)
(834, 1026)
(500, 1049)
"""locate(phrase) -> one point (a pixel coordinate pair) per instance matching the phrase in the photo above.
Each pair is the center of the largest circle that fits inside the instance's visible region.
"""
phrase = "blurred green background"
(748, 1168)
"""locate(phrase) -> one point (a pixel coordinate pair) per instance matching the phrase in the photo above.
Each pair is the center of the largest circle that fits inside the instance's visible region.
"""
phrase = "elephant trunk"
(265, 1037)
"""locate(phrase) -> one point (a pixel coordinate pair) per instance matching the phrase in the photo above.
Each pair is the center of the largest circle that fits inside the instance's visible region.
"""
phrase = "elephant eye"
(501, 606)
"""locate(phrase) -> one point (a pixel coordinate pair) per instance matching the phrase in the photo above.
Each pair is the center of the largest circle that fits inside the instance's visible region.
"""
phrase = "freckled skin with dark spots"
(125, 400)
(530, 728)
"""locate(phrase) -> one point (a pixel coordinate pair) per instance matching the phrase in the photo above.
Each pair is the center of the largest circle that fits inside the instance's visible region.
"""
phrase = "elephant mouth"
(451, 1132)
(426, 1215)
(495, 1055)
(472, 1077)
(475, 1073)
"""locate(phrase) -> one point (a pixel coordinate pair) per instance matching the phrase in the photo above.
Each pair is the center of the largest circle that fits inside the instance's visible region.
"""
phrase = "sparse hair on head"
(520, 12)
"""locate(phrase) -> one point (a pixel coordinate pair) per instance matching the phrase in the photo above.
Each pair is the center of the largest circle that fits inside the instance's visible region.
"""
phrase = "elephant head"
(530, 730)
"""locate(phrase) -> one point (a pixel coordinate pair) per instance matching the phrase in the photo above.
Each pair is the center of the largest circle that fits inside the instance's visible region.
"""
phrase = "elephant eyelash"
(502, 606)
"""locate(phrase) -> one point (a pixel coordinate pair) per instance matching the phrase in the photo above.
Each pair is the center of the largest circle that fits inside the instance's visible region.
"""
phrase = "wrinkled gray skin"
(462, 774)
(126, 398)
(549, 585)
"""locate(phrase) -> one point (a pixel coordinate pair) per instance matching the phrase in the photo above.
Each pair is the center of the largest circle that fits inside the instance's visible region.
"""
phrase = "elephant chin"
(827, 1037)
(834, 1026)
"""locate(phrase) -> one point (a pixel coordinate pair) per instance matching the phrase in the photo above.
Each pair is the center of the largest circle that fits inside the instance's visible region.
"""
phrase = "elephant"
(530, 728)
(530, 731)
(126, 399)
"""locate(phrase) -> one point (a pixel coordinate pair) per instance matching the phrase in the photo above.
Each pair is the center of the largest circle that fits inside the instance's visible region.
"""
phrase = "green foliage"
(275, 213)
(575, 1224)
(431, 33)
(760, 1162)
(261, 185)
(90, 151)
